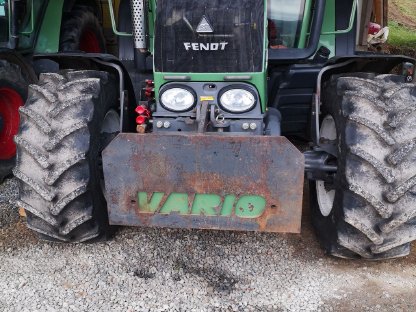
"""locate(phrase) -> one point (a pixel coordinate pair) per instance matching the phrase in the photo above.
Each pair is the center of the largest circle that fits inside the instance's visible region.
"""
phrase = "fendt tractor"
(210, 116)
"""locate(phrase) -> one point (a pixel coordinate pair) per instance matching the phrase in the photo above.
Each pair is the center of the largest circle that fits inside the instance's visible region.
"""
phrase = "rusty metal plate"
(226, 182)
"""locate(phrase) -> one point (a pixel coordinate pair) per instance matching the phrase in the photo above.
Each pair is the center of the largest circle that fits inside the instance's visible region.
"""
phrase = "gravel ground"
(189, 270)
(8, 193)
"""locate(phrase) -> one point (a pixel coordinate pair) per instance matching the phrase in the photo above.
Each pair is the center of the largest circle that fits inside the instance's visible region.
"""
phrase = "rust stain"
(270, 167)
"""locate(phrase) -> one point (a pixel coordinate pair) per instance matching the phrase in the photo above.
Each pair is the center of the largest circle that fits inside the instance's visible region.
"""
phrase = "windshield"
(285, 23)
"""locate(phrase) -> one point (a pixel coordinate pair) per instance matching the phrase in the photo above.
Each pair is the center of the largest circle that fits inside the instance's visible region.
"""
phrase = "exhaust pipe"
(139, 24)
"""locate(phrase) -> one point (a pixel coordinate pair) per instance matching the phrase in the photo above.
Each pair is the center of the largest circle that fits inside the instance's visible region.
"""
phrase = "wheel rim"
(89, 42)
(326, 197)
(10, 101)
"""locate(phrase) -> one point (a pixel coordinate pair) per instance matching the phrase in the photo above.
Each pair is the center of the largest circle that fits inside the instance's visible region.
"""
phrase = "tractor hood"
(209, 36)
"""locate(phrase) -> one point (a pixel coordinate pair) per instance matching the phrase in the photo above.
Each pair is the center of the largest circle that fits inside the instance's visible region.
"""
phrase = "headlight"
(237, 100)
(177, 99)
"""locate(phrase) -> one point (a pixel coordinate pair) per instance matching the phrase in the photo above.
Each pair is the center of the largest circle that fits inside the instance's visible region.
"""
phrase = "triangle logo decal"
(204, 26)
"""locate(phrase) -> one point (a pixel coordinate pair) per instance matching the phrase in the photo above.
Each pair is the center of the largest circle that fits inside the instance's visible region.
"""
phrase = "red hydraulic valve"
(149, 83)
(149, 90)
(142, 118)
(143, 111)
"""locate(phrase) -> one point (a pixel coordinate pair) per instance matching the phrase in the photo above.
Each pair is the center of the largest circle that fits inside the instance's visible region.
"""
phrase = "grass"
(401, 36)
(402, 23)
(407, 7)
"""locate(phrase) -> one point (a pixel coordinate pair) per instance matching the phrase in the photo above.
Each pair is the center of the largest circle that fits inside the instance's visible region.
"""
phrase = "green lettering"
(153, 205)
(250, 206)
(227, 207)
(206, 204)
(176, 202)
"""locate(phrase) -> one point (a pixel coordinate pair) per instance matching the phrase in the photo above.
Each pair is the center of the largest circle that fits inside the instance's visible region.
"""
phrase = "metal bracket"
(32, 18)
(351, 24)
(113, 21)
(316, 108)
(201, 116)
(216, 121)
(122, 91)
(317, 166)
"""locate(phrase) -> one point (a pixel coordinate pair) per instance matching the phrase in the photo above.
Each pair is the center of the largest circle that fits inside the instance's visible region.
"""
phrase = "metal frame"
(350, 25)
(113, 21)
(32, 21)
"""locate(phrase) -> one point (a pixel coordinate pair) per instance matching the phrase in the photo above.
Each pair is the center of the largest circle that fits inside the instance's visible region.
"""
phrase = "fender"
(315, 159)
(53, 62)
(380, 64)
(14, 57)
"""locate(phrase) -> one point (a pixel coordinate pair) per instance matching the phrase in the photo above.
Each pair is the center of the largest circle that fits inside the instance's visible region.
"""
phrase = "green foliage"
(401, 35)
(407, 8)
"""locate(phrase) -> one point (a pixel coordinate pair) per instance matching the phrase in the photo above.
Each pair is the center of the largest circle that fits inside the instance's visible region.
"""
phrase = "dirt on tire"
(58, 147)
(374, 209)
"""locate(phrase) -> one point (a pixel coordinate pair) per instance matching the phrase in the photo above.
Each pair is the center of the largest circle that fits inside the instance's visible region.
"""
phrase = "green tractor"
(194, 125)
(29, 27)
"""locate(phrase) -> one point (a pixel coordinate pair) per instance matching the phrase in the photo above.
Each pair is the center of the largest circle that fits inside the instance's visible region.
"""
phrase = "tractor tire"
(81, 31)
(13, 94)
(372, 197)
(59, 147)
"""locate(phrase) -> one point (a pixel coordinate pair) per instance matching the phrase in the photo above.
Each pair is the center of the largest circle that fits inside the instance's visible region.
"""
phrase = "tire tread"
(54, 169)
(375, 217)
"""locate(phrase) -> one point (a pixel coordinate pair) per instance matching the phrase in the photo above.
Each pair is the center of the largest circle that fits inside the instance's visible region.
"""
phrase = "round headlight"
(237, 100)
(177, 99)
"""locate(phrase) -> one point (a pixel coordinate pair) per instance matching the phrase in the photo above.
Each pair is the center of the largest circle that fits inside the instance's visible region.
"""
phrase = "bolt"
(141, 128)
(245, 126)
(253, 126)
(166, 124)
(159, 124)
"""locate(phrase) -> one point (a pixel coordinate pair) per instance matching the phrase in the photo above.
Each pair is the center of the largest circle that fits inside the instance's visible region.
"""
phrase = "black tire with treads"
(75, 24)
(58, 156)
(374, 211)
